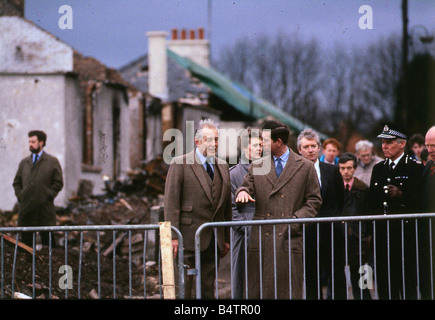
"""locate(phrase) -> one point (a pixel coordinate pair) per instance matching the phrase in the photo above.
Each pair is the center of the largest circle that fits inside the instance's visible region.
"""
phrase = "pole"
(404, 113)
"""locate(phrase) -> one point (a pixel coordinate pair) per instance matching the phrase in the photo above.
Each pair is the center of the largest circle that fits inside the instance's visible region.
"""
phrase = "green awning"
(238, 96)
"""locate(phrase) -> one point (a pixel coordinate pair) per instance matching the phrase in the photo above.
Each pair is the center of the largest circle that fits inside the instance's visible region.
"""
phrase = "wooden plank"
(167, 260)
(20, 244)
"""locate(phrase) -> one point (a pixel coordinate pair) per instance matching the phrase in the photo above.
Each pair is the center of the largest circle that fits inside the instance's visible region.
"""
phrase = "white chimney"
(196, 48)
(157, 64)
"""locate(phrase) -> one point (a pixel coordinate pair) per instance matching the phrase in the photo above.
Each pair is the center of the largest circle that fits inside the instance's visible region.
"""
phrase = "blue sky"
(113, 31)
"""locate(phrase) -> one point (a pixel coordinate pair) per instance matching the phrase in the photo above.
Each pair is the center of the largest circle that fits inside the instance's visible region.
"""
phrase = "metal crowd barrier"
(374, 219)
(12, 234)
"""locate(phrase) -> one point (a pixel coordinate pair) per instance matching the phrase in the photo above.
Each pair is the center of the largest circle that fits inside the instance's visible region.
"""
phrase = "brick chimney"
(157, 64)
(12, 8)
(191, 45)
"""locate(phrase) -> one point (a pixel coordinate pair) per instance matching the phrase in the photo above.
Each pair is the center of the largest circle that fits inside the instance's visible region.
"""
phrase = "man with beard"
(37, 182)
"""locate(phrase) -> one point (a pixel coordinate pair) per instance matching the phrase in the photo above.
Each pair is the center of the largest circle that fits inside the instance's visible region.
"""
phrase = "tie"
(278, 167)
(347, 189)
(35, 159)
(209, 170)
(391, 166)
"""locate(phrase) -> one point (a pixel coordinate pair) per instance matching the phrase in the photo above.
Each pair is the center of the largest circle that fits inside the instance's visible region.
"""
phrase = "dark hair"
(416, 138)
(347, 156)
(278, 130)
(249, 133)
(41, 135)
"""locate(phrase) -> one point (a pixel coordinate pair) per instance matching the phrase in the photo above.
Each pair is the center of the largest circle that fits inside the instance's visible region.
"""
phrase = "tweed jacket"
(36, 186)
(295, 194)
(189, 201)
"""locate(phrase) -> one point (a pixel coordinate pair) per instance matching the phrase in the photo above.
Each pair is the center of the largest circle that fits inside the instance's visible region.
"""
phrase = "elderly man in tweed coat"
(37, 182)
(198, 190)
(288, 190)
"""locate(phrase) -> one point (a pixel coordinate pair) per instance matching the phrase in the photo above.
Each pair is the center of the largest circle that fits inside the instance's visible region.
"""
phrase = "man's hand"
(175, 247)
(244, 197)
(225, 250)
(394, 192)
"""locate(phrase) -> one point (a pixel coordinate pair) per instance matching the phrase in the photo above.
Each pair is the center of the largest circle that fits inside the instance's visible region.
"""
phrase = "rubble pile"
(127, 202)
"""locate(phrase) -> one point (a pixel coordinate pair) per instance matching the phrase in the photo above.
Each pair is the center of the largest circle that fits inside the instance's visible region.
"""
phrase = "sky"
(114, 31)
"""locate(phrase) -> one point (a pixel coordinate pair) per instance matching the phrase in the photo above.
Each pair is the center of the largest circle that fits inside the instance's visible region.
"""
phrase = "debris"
(123, 202)
(19, 295)
(21, 245)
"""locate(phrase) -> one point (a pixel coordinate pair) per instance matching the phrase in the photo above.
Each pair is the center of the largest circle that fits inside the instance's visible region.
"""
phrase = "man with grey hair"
(198, 190)
(366, 160)
(332, 193)
(396, 188)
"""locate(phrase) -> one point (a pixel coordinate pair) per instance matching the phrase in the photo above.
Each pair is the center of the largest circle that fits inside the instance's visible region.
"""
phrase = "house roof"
(181, 84)
(237, 95)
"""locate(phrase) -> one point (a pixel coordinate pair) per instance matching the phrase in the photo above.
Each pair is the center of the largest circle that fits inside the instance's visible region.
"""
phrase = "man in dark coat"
(355, 204)
(395, 188)
(37, 182)
(331, 190)
(428, 206)
(251, 149)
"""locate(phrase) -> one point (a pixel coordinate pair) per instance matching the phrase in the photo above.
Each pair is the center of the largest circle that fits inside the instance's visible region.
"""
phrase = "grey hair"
(205, 123)
(308, 134)
(363, 145)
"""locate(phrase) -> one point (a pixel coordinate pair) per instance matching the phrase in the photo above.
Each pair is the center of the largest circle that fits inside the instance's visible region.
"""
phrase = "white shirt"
(395, 161)
(317, 167)
(203, 159)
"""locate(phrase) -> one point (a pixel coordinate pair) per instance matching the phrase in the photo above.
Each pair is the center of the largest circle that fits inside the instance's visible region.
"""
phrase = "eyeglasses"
(430, 146)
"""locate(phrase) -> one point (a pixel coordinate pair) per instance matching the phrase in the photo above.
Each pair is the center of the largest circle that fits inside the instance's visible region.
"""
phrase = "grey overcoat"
(36, 186)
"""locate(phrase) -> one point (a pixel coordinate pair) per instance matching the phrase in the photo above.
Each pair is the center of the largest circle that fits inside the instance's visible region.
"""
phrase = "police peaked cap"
(391, 132)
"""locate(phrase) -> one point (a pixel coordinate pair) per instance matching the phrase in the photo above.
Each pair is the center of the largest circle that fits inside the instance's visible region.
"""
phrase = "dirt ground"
(89, 212)
(122, 203)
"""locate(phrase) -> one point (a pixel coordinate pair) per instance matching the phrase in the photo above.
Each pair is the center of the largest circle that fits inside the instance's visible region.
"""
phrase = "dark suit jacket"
(407, 176)
(189, 202)
(36, 186)
(429, 187)
(332, 190)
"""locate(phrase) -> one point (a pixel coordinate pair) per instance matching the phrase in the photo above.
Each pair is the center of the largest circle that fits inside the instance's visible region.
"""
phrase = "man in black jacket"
(355, 204)
(395, 188)
(331, 187)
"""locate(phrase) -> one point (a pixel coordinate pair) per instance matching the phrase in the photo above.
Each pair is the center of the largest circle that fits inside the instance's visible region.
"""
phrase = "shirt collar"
(39, 154)
(284, 157)
(203, 158)
(350, 183)
(397, 160)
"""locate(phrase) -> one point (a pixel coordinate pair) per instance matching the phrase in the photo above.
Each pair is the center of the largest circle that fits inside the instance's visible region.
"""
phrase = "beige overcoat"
(295, 194)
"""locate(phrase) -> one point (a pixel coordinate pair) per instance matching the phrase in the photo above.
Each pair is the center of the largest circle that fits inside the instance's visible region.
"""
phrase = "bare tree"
(320, 88)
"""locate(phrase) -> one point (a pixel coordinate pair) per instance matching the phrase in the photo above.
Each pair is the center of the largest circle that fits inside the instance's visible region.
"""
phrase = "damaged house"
(97, 124)
(178, 71)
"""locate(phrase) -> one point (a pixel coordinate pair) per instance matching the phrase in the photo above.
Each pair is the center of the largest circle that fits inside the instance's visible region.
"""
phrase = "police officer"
(395, 188)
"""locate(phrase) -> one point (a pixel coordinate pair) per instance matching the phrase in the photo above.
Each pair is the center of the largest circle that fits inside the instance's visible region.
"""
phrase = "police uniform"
(406, 176)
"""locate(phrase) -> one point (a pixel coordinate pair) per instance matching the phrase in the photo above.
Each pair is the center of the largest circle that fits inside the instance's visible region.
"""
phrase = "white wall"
(26, 48)
(29, 102)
